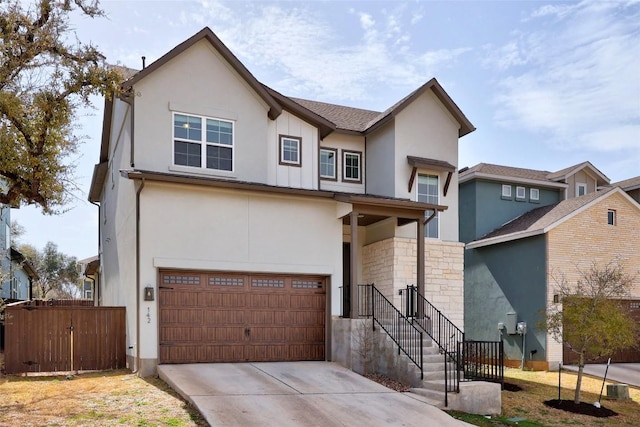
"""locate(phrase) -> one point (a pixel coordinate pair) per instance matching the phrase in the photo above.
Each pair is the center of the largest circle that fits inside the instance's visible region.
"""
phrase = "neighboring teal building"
(16, 274)
(506, 280)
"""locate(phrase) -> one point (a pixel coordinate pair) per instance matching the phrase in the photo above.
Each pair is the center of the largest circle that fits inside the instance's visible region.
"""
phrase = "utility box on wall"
(511, 323)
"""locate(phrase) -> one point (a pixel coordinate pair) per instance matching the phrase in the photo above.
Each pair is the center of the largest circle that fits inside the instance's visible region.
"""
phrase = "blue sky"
(547, 84)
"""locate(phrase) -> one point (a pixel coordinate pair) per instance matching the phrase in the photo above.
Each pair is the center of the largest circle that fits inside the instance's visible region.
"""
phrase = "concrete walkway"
(624, 373)
(296, 394)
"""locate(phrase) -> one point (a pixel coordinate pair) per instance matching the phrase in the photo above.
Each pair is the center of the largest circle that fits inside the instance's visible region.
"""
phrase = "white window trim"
(580, 185)
(522, 190)
(333, 177)
(345, 153)
(537, 192)
(298, 142)
(508, 192)
(417, 195)
(203, 143)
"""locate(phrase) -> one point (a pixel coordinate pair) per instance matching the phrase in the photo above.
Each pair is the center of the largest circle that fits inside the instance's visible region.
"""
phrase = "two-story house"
(16, 274)
(523, 230)
(232, 217)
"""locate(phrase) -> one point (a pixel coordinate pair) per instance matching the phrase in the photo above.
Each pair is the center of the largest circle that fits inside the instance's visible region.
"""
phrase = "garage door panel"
(228, 317)
(180, 316)
(179, 298)
(221, 317)
(267, 334)
(180, 334)
(223, 299)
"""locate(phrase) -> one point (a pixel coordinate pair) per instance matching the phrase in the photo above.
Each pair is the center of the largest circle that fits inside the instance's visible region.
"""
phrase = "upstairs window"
(581, 189)
(521, 193)
(290, 150)
(611, 217)
(196, 138)
(328, 163)
(428, 193)
(506, 191)
(351, 166)
(534, 194)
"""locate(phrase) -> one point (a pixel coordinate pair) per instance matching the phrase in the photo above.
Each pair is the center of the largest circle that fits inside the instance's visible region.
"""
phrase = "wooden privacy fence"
(64, 338)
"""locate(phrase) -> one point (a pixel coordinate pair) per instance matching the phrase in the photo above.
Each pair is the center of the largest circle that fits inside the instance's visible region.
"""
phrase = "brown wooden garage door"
(223, 317)
(627, 355)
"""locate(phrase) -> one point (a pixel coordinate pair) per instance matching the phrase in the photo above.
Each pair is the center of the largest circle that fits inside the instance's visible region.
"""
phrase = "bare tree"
(589, 318)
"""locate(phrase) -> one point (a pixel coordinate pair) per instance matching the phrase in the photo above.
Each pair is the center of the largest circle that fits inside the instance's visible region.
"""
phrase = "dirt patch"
(96, 399)
(511, 387)
(582, 408)
(388, 382)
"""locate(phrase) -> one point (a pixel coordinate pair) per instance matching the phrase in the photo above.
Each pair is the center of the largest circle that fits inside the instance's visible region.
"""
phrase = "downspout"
(138, 191)
(97, 291)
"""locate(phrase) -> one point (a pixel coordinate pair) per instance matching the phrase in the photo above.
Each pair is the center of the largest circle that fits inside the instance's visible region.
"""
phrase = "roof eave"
(97, 181)
(503, 239)
(274, 108)
(503, 178)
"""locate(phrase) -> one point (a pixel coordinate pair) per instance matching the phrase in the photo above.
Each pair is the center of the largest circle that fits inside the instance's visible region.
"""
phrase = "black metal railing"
(483, 361)
(404, 334)
(364, 301)
(444, 333)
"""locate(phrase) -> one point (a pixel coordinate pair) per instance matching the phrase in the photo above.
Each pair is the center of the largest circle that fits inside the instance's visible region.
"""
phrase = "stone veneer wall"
(587, 238)
(391, 265)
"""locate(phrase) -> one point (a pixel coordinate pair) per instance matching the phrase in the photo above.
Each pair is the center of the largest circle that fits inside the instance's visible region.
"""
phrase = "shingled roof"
(628, 184)
(505, 171)
(540, 220)
(346, 118)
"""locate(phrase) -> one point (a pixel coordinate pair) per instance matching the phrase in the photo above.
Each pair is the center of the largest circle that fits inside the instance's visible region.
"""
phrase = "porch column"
(354, 264)
(420, 272)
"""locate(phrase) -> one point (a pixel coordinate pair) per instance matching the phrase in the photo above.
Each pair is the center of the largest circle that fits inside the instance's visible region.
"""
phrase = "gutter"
(96, 297)
(138, 191)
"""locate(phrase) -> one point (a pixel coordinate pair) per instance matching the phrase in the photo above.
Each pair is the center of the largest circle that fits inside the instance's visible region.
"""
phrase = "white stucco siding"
(200, 82)
(426, 129)
(381, 174)
(305, 175)
(117, 226)
(183, 227)
(342, 143)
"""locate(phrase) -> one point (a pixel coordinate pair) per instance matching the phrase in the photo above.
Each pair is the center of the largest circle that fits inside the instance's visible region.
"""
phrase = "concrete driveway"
(624, 373)
(296, 394)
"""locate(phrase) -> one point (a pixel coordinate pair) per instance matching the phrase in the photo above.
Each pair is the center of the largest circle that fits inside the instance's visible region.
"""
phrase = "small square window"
(581, 189)
(521, 193)
(290, 150)
(328, 163)
(611, 217)
(534, 194)
(351, 166)
(506, 191)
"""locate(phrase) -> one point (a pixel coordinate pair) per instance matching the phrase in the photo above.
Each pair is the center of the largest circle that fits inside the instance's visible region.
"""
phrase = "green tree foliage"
(58, 273)
(46, 75)
(590, 320)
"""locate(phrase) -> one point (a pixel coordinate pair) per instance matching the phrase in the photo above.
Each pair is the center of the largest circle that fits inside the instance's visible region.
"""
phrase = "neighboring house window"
(428, 193)
(534, 194)
(521, 193)
(192, 142)
(328, 163)
(581, 189)
(13, 293)
(611, 217)
(290, 150)
(506, 191)
(351, 168)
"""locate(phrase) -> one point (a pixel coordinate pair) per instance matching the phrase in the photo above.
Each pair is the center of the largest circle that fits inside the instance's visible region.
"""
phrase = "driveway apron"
(296, 394)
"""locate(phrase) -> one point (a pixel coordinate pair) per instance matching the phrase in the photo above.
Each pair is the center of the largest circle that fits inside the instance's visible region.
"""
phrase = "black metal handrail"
(444, 333)
(483, 361)
(404, 334)
(364, 303)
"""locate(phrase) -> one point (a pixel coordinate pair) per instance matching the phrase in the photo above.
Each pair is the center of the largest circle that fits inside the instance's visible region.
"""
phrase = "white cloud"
(581, 87)
(366, 21)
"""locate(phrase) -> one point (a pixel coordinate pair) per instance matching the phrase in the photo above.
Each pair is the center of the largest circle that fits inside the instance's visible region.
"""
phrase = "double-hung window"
(581, 189)
(351, 166)
(290, 150)
(196, 138)
(428, 193)
(328, 163)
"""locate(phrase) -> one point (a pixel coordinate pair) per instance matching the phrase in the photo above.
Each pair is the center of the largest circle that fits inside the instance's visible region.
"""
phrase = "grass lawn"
(526, 407)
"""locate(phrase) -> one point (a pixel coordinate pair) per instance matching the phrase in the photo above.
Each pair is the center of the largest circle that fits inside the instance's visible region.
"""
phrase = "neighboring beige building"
(232, 216)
